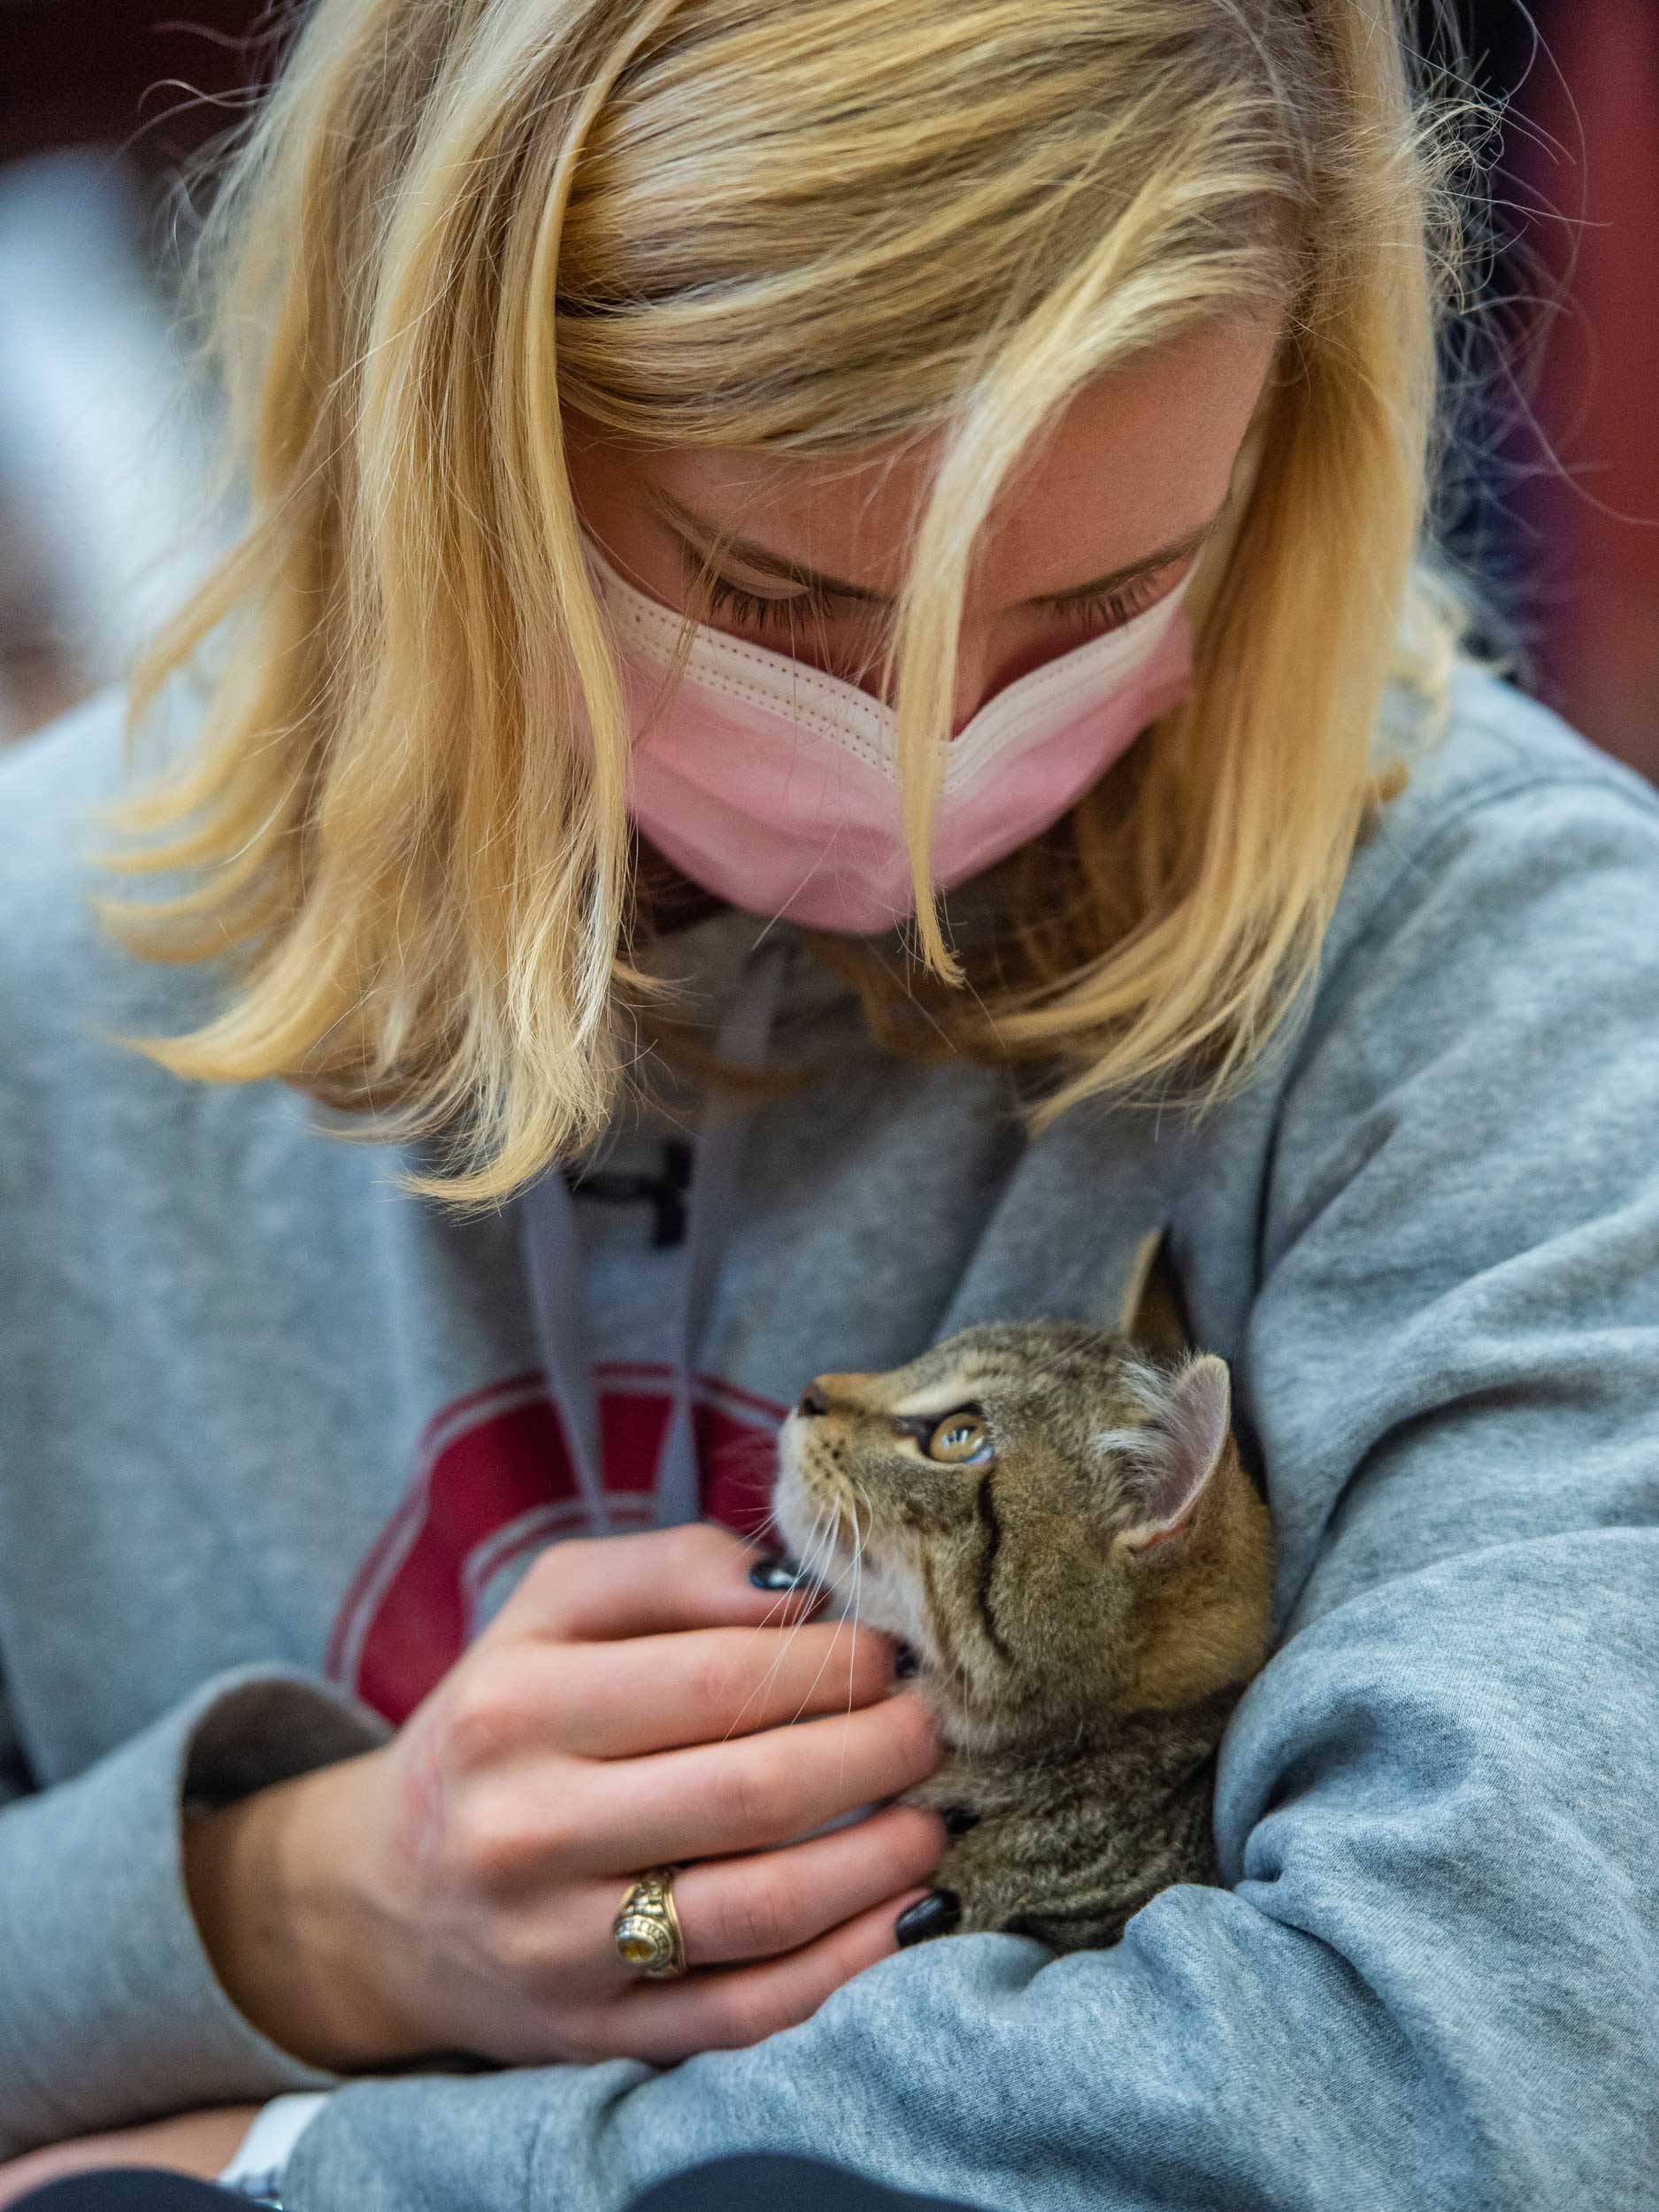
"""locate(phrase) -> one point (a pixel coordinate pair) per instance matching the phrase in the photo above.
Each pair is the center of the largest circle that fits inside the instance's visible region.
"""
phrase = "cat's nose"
(832, 1394)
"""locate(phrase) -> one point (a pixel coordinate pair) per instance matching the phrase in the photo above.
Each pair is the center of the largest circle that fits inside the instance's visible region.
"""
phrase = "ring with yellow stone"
(646, 1930)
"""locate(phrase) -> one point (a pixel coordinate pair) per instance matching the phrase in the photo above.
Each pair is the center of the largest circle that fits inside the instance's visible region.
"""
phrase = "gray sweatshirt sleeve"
(1434, 1981)
(109, 2011)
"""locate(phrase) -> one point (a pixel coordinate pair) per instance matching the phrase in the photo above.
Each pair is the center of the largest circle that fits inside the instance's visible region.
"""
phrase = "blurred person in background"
(580, 996)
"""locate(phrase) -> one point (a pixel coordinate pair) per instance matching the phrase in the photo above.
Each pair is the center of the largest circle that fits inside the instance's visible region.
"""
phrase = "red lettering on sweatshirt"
(495, 1480)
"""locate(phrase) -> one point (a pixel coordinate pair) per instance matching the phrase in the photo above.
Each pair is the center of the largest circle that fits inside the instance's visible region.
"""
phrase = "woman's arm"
(198, 2143)
(1436, 1980)
(99, 1952)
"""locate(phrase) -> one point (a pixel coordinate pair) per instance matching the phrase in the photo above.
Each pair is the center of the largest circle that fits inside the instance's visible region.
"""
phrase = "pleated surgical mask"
(776, 786)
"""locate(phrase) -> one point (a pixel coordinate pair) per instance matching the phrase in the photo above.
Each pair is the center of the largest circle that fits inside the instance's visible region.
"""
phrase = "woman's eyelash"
(1109, 608)
(1105, 611)
(748, 606)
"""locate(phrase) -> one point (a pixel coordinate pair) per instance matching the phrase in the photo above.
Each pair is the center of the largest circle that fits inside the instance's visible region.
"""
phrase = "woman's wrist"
(287, 1928)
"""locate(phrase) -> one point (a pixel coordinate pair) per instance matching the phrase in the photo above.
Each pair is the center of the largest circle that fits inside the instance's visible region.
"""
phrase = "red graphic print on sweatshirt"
(493, 1482)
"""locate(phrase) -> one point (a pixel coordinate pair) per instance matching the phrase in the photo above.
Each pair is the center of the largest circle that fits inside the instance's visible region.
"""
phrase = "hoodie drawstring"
(552, 1245)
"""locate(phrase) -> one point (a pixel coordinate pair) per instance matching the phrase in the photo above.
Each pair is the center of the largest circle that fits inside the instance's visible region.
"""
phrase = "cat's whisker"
(858, 1569)
(825, 1514)
(834, 1584)
(755, 1522)
(782, 1601)
(860, 1497)
(853, 1572)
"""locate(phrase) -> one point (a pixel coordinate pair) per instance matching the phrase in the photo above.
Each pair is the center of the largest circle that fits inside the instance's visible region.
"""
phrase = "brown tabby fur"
(1089, 1605)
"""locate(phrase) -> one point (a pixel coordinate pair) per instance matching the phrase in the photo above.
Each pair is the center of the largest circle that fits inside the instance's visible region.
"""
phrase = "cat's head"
(1054, 1515)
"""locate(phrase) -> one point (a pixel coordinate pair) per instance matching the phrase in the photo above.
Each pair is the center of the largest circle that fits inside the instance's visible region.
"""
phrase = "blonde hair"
(811, 225)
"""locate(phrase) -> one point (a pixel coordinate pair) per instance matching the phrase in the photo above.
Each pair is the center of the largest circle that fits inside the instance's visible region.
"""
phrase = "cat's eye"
(961, 1439)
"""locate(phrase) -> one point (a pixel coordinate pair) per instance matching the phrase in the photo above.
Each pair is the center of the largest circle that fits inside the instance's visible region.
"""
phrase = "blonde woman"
(832, 703)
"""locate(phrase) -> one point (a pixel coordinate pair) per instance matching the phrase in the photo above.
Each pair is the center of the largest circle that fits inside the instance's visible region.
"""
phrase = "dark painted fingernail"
(958, 1820)
(775, 1574)
(934, 1915)
(907, 1663)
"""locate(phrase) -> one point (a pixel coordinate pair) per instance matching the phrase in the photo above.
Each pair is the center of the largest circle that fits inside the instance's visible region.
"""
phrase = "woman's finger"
(715, 1798)
(600, 1587)
(662, 1692)
(736, 1910)
(729, 2008)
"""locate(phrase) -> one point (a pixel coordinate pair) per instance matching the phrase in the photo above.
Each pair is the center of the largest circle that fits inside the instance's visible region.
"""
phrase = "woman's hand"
(198, 2143)
(628, 1708)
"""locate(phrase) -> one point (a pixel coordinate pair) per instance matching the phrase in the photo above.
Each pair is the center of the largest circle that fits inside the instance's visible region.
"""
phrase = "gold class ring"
(646, 1931)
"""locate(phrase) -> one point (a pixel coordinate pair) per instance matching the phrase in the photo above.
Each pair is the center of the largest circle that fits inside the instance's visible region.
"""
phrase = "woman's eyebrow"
(756, 556)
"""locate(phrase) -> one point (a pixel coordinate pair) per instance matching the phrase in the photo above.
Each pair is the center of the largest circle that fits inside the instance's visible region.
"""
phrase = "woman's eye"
(959, 1439)
(1108, 610)
(749, 607)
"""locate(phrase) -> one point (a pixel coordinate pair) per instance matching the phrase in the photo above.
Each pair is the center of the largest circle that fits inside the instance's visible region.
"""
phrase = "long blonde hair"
(811, 225)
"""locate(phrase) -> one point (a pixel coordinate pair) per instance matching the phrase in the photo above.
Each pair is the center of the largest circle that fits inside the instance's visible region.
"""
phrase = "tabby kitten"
(1055, 1519)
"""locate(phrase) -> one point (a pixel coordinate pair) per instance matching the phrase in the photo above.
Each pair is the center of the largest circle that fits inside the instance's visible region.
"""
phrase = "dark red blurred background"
(1554, 497)
(79, 71)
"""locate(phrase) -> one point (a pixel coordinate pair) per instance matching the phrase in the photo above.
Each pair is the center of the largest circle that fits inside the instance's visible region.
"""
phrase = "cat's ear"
(1150, 1308)
(1171, 1461)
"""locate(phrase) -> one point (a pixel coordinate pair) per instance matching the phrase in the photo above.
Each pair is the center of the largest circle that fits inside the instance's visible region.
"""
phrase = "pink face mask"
(775, 786)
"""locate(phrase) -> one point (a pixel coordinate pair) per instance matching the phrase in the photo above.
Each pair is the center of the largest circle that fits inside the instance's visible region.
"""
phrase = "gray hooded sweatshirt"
(276, 1438)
